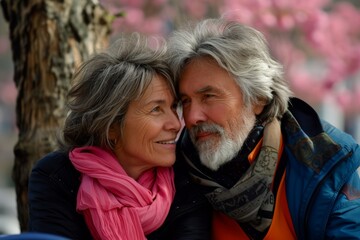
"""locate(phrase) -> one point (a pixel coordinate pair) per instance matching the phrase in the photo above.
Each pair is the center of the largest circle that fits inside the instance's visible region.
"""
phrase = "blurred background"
(318, 41)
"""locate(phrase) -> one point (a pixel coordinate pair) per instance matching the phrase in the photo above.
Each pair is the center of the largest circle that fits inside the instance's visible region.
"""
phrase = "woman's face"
(150, 129)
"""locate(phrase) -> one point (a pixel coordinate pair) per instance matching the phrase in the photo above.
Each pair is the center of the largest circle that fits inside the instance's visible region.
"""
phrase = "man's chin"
(208, 143)
(213, 154)
(212, 162)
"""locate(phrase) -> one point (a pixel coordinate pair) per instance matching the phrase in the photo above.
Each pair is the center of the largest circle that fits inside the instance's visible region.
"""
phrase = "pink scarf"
(116, 206)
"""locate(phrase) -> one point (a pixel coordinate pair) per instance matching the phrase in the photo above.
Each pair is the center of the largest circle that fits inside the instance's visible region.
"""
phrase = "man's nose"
(194, 114)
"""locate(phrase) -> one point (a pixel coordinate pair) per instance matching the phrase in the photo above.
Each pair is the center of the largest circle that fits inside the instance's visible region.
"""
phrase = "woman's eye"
(156, 109)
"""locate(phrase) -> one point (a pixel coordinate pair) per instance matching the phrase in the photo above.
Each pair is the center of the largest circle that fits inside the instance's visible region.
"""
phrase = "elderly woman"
(113, 177)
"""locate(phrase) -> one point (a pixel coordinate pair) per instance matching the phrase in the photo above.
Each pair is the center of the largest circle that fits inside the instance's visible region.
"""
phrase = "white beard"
(219, 150)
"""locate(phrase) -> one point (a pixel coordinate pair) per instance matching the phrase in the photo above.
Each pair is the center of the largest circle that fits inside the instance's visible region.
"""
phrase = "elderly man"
(269, 166)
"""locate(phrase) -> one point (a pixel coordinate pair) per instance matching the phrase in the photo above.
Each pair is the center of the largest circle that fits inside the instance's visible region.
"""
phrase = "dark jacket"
(53, 187)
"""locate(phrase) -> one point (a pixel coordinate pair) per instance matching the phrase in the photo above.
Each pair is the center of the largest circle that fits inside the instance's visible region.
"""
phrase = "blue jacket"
(322, 174)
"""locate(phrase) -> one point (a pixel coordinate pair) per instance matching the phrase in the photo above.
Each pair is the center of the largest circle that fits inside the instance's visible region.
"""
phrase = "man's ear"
(259, 107)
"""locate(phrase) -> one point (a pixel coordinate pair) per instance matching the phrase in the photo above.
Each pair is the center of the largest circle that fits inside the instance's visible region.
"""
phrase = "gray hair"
(106, 84)
(240, 50)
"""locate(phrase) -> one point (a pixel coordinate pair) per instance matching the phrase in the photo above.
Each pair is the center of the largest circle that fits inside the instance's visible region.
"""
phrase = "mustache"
(205, 127)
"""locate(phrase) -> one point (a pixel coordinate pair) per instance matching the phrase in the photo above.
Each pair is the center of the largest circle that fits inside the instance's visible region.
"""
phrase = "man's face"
(214, 112)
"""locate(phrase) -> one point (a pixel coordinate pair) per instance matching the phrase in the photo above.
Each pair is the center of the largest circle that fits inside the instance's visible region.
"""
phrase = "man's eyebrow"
(205, 89)
(201, 90)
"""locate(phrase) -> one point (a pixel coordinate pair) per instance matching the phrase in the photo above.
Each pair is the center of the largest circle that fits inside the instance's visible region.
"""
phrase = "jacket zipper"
(313, 197)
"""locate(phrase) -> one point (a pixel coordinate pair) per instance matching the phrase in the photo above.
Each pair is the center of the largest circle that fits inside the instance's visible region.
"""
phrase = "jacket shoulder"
(53, 187)
(58, 169)
(52, 161)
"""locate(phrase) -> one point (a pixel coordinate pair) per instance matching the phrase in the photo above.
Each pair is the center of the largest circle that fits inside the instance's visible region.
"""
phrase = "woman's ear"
(114, 132)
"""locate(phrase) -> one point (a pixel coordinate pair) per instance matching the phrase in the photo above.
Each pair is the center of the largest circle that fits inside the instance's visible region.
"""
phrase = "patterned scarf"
(116, 206)
(250, 200)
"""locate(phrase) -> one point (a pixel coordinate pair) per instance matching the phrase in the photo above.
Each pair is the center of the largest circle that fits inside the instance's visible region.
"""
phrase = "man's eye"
(185, 101)
(208, 96)
(175, 105)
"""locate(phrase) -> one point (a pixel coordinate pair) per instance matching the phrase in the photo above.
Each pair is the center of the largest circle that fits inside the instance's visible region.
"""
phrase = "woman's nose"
(174, 122)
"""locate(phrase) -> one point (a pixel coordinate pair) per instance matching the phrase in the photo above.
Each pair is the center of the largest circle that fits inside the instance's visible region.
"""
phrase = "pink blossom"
(316, 40)
(268, 19)
(307, 86)
(153, 26)
(134, 16)
(4, 44)
(132, 3)
(8, 92)
(345, 99)
(196, 9)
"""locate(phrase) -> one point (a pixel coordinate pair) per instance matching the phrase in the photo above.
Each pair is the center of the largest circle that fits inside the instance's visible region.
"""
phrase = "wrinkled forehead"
(202, 74)
(159, 88)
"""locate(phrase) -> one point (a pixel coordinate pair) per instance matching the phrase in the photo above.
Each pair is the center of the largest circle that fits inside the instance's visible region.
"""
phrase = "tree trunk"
(49, 38)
